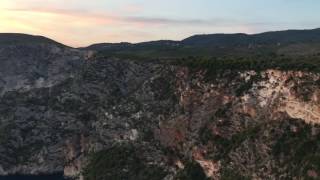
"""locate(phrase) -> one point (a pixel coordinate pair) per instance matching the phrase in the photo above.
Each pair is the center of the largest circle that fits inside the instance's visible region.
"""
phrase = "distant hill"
(217, 40)
(16, 39)
(104, 46)
(288, 42)
(268, 38)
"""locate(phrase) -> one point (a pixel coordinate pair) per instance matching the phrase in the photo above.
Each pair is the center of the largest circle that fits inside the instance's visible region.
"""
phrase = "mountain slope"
(280, 42)
(268, 38)
(18, 39)
(63, 110)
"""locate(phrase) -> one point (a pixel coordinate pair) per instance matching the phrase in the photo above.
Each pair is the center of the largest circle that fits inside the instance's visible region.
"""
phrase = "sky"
(80, 23)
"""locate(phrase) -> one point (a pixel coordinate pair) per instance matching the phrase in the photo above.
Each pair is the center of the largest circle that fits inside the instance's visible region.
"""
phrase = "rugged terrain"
(100, 117)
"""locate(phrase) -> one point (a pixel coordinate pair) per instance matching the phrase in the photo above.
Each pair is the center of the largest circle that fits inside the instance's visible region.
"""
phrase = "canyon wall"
(60, 106)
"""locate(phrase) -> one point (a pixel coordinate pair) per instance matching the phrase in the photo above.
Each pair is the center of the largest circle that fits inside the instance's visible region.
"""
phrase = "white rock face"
(209, 167)
(307, 111)
(134, 134)
(277, 92)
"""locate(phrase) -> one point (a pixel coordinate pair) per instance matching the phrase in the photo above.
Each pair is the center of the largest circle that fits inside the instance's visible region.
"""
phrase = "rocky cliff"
(66, 110)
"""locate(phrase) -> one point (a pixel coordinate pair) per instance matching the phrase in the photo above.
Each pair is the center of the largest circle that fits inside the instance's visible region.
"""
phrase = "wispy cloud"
(79, 27)
(81, 22)
(105, 18)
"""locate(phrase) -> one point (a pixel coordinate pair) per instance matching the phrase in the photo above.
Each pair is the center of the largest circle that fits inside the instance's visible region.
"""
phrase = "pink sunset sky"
(82, 22)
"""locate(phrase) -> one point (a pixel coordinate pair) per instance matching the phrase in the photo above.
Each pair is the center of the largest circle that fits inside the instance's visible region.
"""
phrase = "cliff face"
(64, 110)
(254, 124)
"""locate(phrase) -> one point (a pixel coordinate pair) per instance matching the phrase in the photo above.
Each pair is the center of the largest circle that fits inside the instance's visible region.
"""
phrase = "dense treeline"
(259, 60)
(256, 62)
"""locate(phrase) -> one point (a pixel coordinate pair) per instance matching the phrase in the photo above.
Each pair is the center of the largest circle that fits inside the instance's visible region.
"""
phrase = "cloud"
(131, 8)
(104, 18)
(80, 27)
(183, 22)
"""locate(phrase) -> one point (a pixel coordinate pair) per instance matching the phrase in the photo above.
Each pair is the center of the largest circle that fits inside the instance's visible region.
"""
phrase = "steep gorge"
(66, 110)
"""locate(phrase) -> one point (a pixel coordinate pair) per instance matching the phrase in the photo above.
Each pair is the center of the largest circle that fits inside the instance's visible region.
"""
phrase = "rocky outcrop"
(59, 105)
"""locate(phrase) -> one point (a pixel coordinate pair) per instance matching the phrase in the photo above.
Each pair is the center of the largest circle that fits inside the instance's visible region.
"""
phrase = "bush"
(119, 163)
(192, 171)
(230, 174)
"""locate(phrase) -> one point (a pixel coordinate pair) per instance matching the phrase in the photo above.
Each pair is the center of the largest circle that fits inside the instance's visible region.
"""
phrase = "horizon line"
(155, 40)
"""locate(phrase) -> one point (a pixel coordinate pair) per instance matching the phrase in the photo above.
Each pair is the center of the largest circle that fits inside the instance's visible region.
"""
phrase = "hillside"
(290, 42)
(105, 116)
(268, 38)
(23, 39)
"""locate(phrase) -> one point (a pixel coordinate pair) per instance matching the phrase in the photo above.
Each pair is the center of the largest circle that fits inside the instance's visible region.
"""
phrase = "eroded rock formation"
(59, 105)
